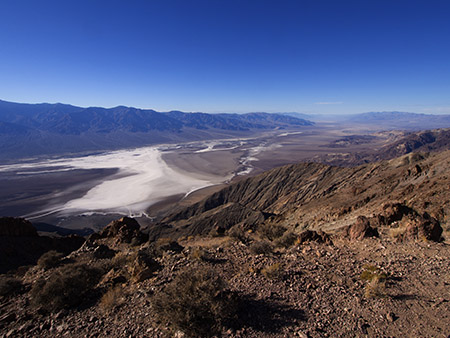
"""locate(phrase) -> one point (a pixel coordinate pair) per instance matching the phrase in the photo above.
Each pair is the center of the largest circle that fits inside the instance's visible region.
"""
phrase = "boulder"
(361, 229)
(124, 229)
(395, 211)
(423, 227)
(103, 251)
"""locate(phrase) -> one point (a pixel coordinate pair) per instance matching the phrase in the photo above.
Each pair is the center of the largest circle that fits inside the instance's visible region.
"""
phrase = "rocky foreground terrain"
(306, 250)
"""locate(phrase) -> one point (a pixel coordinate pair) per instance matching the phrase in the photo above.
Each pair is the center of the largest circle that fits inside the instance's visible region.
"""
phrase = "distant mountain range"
(45, 129)
(70, 120)
(387, 120)
(34, 129)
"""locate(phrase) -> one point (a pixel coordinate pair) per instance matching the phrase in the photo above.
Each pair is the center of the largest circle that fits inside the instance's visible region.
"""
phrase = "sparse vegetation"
(66, 287)
(197, 253)
(287, 240)
(196, 302)
(237, 233)
(261, 248)
(113, 298)
(376, 281)
(273, 271)
(271, 231)
(50, 259)
(9, 285)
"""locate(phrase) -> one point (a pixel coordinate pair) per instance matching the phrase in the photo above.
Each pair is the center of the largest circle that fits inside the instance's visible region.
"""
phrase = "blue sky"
(229, 56)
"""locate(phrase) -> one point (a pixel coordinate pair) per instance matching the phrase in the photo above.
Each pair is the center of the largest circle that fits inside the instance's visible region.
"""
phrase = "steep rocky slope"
(318, 196)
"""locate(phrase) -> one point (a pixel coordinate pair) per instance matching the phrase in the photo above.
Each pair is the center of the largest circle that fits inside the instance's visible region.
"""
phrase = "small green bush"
(50, 259)
(195, 302)
(376, 281)
(66, 287)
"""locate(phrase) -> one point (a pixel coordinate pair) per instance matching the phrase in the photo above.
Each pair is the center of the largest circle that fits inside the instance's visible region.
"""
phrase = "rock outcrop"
(16, 227)
(21, 245)
(360, 229)
(124, 230)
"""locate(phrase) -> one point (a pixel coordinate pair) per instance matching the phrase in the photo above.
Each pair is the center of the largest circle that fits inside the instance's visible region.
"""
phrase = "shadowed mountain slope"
(33, 129)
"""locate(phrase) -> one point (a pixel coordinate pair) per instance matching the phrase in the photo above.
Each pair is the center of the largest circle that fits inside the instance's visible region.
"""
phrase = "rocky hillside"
(306, 250)
(396, 144)
(238, 284)
(318, 196)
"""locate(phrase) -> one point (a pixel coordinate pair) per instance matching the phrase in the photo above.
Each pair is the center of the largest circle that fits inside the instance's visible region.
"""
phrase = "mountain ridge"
(37, 129)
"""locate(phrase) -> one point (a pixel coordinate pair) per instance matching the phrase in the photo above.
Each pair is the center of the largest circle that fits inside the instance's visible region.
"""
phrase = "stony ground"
(307, 290)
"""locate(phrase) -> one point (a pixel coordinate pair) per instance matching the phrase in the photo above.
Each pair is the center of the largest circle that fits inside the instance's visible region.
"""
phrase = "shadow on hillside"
(266, 315)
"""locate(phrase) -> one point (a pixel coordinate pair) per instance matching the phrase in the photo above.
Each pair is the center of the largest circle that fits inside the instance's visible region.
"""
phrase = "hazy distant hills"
(388, 120)
(33, 129)
(403, 120)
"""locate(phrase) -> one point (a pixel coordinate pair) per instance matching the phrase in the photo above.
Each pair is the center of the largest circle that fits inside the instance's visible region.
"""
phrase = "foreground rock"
(21, 245)
(360, 229)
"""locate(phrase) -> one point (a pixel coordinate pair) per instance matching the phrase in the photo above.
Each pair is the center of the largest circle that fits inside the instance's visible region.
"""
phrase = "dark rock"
(93, 237)
(125, 229)
(423, 228)
(171, 246)
(143, 267)
(395, 211)
(314, 236)
(9, 317)
(16, 227)
(18, 251)
(103, 251)
(361, 229)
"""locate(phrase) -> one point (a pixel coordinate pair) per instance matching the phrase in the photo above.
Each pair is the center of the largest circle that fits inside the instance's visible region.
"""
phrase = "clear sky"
(308, 56)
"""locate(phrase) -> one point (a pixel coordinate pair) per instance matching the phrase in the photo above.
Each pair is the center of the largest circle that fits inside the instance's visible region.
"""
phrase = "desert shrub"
(159, 247)
(121, 259)
(113, 298)
(376, 281)
(198, 253)
(66, 287)
(195, 302)
(261, 248)
(50, 259)
(9, 285)
(287, 240)
(397, 233)
(273, 271)
(237, 233)
(271, 231)
(376, 287)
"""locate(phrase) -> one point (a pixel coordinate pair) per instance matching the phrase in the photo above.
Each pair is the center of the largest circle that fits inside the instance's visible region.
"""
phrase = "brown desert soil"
(317, 291)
